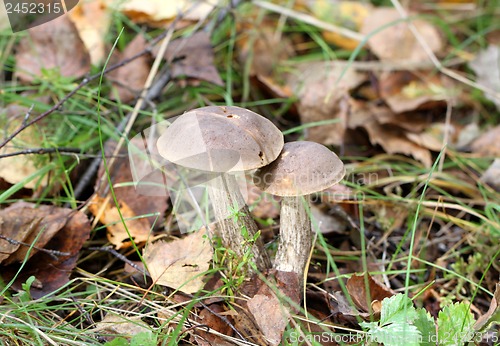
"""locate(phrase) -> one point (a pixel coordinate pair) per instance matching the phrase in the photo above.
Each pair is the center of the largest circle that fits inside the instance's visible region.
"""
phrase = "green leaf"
(117, 342)
(398, 308)
(144, 339)
(394, 334)
(426, 326)
(455, 324)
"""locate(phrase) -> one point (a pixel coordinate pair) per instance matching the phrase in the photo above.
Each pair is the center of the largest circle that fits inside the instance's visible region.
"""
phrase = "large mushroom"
(301, 169)
(221, 140)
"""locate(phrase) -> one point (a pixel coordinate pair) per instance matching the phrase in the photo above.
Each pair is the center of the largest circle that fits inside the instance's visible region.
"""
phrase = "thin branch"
(41, 151)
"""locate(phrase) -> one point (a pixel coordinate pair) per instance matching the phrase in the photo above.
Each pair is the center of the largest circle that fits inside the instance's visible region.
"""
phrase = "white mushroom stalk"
(223, 141)
(301, 169)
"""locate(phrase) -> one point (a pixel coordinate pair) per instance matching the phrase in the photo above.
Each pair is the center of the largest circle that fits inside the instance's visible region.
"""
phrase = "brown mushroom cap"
(221, 139)
(301, 169)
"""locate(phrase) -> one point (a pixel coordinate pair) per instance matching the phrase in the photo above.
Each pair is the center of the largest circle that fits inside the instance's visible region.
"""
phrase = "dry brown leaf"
(492, 175)
(56, 44)
(193, 57)
(23, 222)
(406, 91)
(270, 316)
(488, 144)
(396, 43)
(50, 271)
(356, 287)
(391, 138)
(180, 263)
(92, 20)
(262, 206)
(114, 324)
(129, 80)
(16, 169)
(107, 212)
(322, 91)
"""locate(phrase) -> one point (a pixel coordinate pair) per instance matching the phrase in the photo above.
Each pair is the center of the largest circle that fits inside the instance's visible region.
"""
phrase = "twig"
(51, 253)
(118, 255)
(41, 151)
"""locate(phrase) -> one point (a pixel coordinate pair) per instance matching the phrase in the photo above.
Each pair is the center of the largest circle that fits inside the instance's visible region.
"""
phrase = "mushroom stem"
(225, 196)
(295, 235)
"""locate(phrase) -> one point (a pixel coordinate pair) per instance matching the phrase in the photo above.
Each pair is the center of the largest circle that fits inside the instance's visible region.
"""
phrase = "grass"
(403, 212)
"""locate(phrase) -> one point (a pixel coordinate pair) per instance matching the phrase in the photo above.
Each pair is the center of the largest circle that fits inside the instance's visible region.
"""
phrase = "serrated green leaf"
(426, 326)
(455, 324)
(395, 334)
(397, 309)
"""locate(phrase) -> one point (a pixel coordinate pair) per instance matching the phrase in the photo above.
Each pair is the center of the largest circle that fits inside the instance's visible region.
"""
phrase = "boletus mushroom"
(301, 169)
(221, 140)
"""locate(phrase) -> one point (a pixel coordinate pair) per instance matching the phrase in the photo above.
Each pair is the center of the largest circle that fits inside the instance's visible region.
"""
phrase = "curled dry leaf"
(92, 20)
(63, 232)
(391, 138)
(396, 43)
(407, 91)
(180, 263)
(323, 94)
(357, 286)
(493, 313)
(129, 79)
(56, 44)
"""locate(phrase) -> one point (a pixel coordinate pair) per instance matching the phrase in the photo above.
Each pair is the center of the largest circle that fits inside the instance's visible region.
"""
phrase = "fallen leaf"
(193, 57)
(493, 313)
(114, 324)
(180, 263)
(54, 45)
(262, 205)
(396, 43)
(106, 211)
(270, 316)
(325, 223)
(406, 91)
(345, 14)
(129, 80)
(209, 319)
(22, 222)
(357, 288)
(92, 20)
(16, 169)
(488, 144)
(486, 65)
(391, 138)
(322, 92)
(51, 271)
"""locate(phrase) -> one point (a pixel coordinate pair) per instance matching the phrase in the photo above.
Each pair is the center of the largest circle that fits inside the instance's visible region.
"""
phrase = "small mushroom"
(221, 140)
(301, 169)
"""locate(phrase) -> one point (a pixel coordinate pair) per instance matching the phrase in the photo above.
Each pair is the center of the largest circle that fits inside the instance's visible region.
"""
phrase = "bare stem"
(295, 235)
(225, 195)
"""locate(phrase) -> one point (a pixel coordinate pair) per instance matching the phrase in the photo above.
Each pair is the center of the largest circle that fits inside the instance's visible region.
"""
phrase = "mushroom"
(221, 141)
(301, 169)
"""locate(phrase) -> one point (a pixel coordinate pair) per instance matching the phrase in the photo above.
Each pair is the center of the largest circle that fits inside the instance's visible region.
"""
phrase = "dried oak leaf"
(180, 263)
(396, 42)
(322, 90)
(92, 20)
(193, 57)
(129, 79)
(56, 44)
(357, 288)
(51, 271)
(106, 211)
